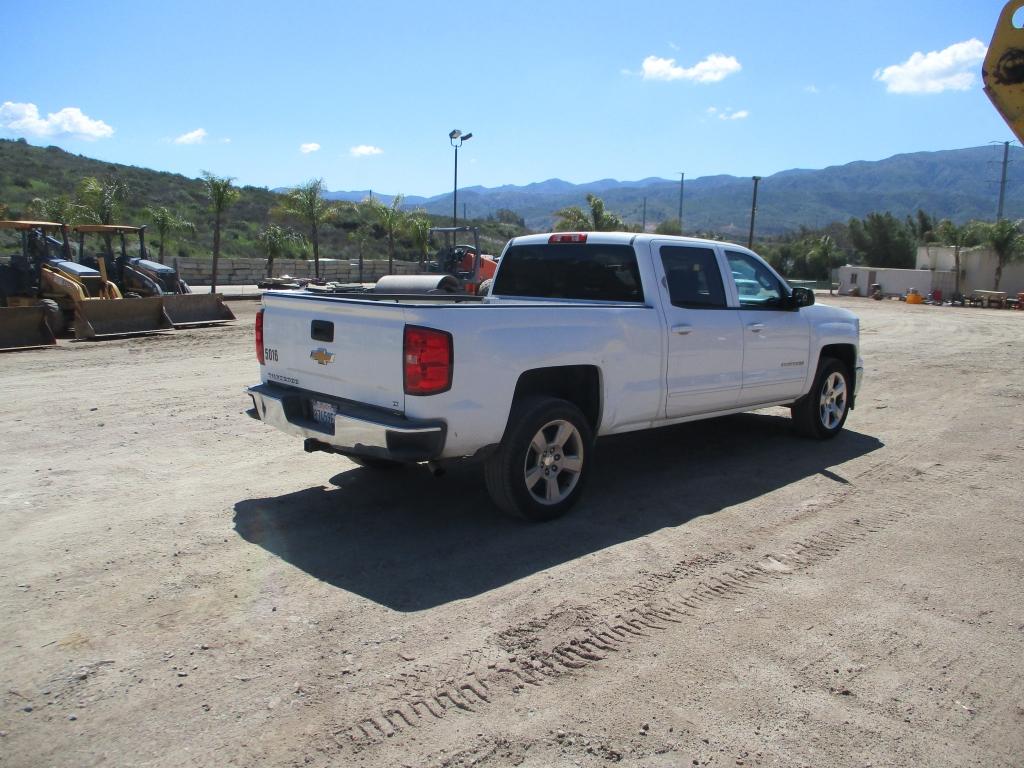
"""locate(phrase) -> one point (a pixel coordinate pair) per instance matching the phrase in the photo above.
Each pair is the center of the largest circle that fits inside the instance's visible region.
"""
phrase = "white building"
(935, 271)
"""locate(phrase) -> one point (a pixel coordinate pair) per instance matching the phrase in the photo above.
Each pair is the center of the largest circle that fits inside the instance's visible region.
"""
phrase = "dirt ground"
(181, 585)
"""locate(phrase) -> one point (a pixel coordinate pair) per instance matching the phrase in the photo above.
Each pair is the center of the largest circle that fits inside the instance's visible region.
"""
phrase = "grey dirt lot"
(181, 585)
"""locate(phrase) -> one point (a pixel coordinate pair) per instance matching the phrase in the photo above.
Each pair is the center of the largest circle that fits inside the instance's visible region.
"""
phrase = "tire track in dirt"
(564, 642)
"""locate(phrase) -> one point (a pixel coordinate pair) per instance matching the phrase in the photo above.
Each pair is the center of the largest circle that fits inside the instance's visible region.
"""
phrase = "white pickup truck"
(580, 335)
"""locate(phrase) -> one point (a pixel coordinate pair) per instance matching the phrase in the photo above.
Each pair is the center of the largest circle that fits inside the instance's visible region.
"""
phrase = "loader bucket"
(24, 327)
(187, 309)
(97, 318)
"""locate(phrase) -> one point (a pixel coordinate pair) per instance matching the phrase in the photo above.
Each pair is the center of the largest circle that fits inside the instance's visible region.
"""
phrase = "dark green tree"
(882, 240)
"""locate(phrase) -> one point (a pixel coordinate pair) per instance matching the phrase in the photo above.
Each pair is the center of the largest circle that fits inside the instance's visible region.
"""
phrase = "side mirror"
(802, 297)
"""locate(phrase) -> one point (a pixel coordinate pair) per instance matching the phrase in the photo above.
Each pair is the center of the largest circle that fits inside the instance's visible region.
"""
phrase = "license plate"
(323, 413)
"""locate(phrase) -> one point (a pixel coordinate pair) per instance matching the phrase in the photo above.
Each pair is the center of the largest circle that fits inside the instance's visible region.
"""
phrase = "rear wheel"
(542, 464)
(822, 413)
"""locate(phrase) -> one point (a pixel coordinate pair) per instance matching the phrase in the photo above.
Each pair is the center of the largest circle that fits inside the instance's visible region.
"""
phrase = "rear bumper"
(358, 430)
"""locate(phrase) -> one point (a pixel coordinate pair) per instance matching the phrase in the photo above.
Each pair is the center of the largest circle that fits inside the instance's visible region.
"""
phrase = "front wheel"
(822, 413)
(542, 464)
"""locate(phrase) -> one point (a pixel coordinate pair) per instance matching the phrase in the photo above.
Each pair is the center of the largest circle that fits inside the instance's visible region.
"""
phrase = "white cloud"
(24, 120)
(951, 69)
(192, 137)
(713, 69)
(310, 147)
(811, 89)
(728, 114)
(365, 150)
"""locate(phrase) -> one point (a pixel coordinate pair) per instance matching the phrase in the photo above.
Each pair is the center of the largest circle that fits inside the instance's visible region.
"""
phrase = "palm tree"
(418, 227)
(575, 219)
(957, 237)
(306, 202)
(391, 219)
(275, 241)
(1006, 241)
(221, 195)
(167, 223)
(826, 254)
(100, 200)
(59, 209)
(360, 237)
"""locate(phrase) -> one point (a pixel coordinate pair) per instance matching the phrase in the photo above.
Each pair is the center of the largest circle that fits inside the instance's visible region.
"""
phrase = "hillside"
(958, 184)
(28, 172)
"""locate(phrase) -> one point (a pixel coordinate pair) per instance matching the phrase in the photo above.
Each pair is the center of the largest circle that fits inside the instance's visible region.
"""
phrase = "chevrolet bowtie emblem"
(322, 356)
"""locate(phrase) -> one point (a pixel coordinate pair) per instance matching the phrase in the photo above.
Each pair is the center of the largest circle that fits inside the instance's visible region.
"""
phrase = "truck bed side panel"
(496, 343)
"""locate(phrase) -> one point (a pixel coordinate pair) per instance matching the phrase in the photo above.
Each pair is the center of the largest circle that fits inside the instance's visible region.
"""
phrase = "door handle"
(681, 330)
(755, 327)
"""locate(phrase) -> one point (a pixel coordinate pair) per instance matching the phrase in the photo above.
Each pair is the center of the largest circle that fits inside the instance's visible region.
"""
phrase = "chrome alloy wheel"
(833, 400)
(554, 461)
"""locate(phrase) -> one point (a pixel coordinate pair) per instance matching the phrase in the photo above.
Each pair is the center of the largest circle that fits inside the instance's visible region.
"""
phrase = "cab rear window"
(589, 271)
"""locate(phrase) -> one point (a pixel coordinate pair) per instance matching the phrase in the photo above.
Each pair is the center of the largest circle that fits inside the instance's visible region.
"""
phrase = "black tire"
(371, 462)
(485, 287)
(54, 316)
(822, 413)
(558, 472)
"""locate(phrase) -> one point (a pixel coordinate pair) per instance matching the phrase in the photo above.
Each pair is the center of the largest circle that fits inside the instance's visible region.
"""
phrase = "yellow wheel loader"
(1003, 69)
(45, 278)
(139, 276)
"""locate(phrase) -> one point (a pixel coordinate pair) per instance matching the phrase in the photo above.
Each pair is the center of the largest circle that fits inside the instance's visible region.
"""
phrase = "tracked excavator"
(44, 290)
(140, 276)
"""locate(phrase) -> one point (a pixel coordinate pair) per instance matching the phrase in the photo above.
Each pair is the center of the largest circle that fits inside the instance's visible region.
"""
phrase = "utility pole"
(1002, 180)
(643, 227)
(753, 213)
(682, 179)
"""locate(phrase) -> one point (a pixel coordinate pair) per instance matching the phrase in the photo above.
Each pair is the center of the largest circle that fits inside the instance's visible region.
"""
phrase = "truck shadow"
(410, 541)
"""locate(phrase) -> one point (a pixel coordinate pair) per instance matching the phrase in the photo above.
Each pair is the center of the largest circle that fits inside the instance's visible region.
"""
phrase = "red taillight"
(569, 237)
(259, 336)
(427, 355)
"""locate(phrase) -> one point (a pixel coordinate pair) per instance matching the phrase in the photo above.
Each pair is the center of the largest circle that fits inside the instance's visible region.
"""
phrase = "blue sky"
(578, 91)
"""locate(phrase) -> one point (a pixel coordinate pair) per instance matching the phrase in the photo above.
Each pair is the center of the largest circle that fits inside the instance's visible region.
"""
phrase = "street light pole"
(460, 137)
(682, 178)
(753, 213)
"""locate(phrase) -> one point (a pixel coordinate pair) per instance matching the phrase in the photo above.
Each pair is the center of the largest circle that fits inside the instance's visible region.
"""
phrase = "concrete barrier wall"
(251, 271)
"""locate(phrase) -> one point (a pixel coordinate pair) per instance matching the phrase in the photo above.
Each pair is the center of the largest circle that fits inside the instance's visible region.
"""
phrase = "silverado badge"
(322, 356)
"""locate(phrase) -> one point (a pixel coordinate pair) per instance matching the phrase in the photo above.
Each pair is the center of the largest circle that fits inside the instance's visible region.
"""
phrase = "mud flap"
(186, 309)
(97, 318)
(24, 327)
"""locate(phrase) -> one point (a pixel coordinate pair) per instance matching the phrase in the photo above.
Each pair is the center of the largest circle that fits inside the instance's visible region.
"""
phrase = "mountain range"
(959, 184)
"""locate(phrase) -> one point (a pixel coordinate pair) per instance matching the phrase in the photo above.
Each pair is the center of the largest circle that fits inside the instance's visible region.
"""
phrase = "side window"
(693, 277)
(757, 287)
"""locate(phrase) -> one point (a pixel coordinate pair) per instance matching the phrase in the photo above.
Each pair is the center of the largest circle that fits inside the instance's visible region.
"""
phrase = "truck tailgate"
(343, 348)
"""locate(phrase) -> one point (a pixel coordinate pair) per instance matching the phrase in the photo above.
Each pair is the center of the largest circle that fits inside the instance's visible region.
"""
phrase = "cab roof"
(23, 225)
(109, 228)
